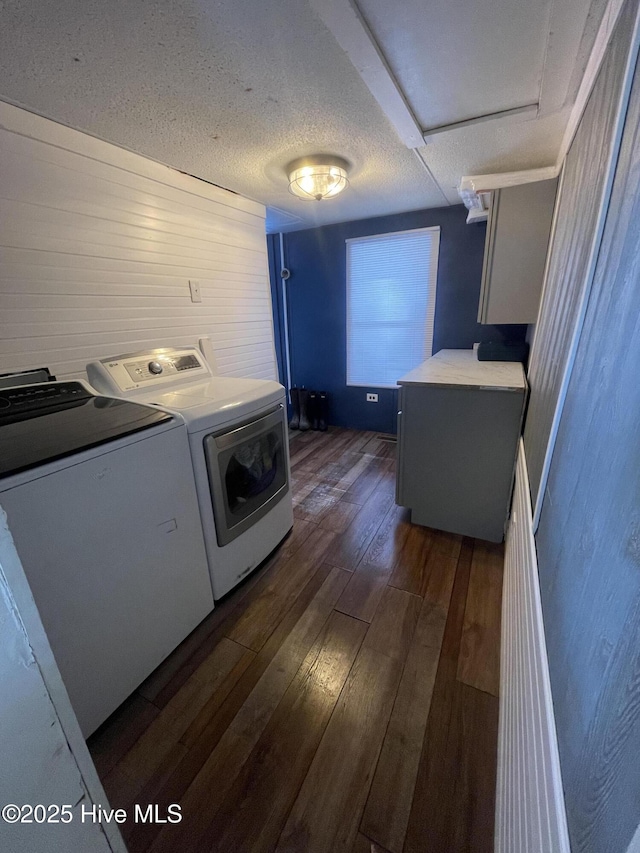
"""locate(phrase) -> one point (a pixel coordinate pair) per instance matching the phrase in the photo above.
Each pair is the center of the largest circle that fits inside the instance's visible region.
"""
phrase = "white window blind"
(391, 300)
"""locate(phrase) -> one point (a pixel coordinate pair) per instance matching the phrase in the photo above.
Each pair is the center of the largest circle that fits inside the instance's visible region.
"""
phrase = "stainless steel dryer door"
(247, 473)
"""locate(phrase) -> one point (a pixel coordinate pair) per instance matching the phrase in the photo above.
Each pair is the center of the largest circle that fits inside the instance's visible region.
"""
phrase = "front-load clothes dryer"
(101, 503)
(239, 449)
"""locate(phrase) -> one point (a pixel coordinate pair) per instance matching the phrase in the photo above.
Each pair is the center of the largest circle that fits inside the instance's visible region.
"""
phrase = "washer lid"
(43, 422)
(217, 401)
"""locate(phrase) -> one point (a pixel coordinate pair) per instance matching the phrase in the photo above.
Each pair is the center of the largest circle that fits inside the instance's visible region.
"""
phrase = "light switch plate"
(194, 287)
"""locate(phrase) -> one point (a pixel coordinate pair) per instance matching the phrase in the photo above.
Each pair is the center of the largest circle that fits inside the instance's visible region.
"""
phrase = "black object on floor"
(303, 399)
(323, 410)
(313, 410)
(294, 423)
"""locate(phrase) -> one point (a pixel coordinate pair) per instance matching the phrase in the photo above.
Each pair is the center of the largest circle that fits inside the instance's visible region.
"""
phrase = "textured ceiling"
(232, 91)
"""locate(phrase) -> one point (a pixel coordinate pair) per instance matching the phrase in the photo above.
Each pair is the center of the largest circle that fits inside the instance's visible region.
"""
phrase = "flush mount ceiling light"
(318, 177)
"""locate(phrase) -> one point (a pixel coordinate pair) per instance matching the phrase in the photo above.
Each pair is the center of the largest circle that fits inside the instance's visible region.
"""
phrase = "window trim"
(429, 326)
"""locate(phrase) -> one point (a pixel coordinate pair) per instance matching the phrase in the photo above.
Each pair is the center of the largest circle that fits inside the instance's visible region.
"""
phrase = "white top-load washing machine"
(239, 448)
(101, 502)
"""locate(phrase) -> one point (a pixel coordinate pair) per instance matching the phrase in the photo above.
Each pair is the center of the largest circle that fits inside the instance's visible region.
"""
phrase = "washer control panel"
(27, 401)
(146, 369)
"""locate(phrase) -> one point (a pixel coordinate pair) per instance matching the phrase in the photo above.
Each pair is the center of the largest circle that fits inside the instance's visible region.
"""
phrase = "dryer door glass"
(252, 471)
(247, 472)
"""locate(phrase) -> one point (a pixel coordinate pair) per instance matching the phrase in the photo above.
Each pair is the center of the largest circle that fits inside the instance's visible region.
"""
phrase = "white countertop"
(460, 368)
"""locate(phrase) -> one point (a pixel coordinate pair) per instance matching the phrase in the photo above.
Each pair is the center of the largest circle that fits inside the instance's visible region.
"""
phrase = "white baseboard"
(530, 810)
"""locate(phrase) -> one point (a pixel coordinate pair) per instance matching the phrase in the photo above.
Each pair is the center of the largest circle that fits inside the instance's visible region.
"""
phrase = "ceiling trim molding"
(572, 28)
(351, 31)
(471, 185)
(475, 190)
(349, 28)
(524, 113)
(485, 183)
(603, 37)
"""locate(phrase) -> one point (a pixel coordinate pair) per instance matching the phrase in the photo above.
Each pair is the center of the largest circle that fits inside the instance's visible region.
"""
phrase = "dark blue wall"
(316, 294)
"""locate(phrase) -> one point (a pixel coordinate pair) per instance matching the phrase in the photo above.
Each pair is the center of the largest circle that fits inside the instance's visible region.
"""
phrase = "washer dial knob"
(155, 367)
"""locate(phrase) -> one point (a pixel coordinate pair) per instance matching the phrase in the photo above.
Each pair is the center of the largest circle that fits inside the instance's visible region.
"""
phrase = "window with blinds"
(391, 300)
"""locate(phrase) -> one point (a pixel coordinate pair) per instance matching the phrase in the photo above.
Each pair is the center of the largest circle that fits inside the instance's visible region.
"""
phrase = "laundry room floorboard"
(344, 697)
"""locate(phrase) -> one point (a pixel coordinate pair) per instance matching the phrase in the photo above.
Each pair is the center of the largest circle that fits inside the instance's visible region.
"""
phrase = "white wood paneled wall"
(97, 246)
(530, 810)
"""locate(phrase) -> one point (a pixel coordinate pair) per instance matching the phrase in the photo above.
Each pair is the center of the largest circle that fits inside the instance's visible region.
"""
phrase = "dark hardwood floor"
(343, 698)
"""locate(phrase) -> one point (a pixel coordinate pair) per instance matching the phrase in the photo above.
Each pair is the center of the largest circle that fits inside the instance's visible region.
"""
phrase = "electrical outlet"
(194, 287)
(372, 398)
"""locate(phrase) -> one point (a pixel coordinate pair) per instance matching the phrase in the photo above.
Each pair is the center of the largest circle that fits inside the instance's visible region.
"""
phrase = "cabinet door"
(458, 456)
(489, 243)
(401, 459)
(515, 252)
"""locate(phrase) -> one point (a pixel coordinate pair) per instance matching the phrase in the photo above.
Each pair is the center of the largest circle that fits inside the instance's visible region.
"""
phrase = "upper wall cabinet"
(515, 252)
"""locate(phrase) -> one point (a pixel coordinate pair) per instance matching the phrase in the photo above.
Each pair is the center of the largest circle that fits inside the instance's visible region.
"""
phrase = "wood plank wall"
(589, 537)
(585, 186)
(97, 246)
(530, 810)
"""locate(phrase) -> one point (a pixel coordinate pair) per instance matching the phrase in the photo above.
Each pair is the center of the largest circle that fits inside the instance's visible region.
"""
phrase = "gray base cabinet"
(457, 447)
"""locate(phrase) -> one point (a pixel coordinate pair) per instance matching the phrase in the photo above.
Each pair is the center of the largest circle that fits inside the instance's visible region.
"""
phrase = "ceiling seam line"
(547, 48)
(425, 165)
